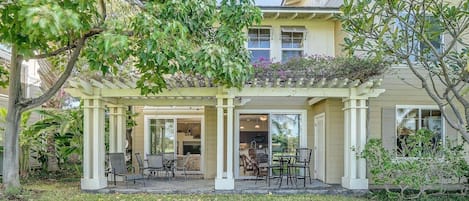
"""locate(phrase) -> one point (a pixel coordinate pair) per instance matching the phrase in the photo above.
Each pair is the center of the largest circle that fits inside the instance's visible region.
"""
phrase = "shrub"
(319, 67)
(425, 168)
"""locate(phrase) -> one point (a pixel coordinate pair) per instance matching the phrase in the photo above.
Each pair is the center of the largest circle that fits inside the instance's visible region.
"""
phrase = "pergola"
(183, 90)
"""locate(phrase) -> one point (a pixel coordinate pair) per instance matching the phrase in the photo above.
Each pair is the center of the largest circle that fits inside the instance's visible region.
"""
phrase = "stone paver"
(207, 186)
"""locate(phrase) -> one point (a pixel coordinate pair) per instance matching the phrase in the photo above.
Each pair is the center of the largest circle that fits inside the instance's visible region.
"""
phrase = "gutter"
(284, 9)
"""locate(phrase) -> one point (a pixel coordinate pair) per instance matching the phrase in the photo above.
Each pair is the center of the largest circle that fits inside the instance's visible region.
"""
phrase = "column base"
(93, 183)
(224, 184)
(350, 183)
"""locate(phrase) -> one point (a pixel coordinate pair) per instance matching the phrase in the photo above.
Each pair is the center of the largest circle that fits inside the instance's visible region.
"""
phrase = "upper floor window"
(410, 119)
(259, 43)
(292, 42)
(415, 47)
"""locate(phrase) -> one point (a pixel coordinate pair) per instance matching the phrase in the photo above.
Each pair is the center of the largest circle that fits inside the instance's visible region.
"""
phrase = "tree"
(412, 32)
(155, 37)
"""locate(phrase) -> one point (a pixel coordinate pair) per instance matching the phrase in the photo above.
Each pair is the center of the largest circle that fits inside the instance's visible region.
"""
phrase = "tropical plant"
(427, 36)
(156, 37)
(424, 167)
(66, 127)
(26, 141)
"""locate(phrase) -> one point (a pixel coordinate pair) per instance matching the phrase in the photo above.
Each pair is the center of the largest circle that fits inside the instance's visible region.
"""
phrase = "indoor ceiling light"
(263, 118)
(257, 126)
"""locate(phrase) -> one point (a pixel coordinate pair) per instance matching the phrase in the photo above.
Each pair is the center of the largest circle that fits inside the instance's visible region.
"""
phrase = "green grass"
(61, 191)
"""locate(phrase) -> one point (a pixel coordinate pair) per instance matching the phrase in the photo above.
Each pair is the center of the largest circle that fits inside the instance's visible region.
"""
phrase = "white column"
(121, 128)
(112, 130)
(362, 138)
(229, 138)
(224, 180)
(220, 140)
(94, 152)
(354, 135)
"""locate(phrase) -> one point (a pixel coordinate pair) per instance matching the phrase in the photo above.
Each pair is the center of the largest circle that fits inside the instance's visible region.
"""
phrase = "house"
(30, 78)
(219, 126)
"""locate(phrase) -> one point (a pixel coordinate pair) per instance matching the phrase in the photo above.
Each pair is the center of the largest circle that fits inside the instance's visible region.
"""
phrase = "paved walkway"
(201, 186)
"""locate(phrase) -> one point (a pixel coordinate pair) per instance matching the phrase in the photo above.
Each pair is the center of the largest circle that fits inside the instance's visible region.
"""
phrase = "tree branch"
(61, 50)
(137, 3)
(34, 102)
(103, 11)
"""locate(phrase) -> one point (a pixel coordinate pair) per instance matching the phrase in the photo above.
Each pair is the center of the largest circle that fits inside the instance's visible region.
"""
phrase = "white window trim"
(270, 41)
(303, 125)
(292, 30)
(420, 107)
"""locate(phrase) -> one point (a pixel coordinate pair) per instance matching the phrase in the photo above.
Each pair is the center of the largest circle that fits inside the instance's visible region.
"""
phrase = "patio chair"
(248, 164)
(262, 165)
(169, 161)
(156, 164)
(141, 166)
(119, 168)
(185, 164)
(302, 160)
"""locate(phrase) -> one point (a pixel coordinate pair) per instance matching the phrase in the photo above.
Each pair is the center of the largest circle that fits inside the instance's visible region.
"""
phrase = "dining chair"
(302, 161)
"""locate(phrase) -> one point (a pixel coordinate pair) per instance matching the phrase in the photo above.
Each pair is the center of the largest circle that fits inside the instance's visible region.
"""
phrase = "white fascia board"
(181, 92)
(302, 11)
(294, 92)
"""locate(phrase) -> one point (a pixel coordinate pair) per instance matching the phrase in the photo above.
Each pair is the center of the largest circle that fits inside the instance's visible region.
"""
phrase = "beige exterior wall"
(339, 36)
(402, 88)
(138, 133)
(334, 141)
(319, 38)
(210, 150)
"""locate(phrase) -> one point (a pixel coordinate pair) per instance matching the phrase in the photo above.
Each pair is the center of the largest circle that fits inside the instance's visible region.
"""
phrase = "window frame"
(419, 126)
(417, 44)
(250, 49)
(292, 30)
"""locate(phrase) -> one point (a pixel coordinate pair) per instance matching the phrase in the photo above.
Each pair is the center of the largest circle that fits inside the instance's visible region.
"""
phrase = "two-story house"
(221, 126)
(30, 78)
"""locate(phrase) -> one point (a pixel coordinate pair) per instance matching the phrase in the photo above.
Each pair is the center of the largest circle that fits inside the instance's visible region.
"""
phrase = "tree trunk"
(11, 178)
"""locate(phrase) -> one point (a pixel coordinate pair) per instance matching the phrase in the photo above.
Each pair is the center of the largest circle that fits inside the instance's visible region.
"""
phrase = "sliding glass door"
(272, 133)
(285, 132)
(162, 136)
(180, 135)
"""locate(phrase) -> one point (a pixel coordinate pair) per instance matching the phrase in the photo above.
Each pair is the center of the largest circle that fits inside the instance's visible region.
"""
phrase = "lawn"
(52, 190)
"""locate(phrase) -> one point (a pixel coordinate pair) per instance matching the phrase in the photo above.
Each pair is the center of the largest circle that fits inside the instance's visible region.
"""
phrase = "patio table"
(283, 169)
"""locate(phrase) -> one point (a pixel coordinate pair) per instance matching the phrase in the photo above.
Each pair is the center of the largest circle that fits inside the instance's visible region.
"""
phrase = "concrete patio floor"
(207, 186)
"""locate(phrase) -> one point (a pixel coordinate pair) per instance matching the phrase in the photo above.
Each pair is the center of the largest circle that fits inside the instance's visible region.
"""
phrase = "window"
(292, 42)
(409, 120)
(259, 44)
(415, 48)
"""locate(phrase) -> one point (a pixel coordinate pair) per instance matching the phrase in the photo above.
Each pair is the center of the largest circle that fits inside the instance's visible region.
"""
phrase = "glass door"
(285, 132)
(162, 138)
(253, 139)
(271, 133)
